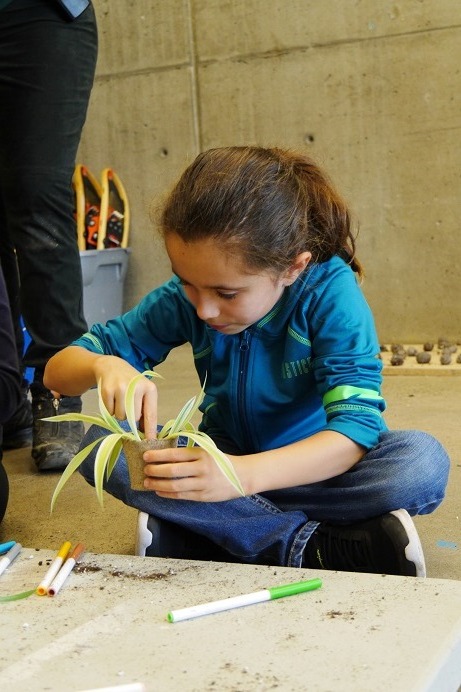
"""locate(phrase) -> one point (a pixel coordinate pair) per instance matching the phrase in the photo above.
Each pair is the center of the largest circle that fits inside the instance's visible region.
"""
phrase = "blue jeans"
(407, 469)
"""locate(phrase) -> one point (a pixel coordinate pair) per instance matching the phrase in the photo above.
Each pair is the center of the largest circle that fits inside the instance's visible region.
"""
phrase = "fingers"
(149, 413)
(198, 488)
(114, 400)
(169, 468)
(114, 376)
(183, 473)
(175, 468)
(179, 488)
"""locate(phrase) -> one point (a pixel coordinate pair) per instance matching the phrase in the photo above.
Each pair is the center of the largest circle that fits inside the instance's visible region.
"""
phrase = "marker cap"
(292, 589)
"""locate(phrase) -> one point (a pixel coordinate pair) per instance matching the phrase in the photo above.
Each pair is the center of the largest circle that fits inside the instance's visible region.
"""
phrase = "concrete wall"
(371, 88)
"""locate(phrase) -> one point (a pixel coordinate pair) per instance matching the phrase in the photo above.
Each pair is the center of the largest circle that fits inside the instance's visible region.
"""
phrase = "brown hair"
(269, 205)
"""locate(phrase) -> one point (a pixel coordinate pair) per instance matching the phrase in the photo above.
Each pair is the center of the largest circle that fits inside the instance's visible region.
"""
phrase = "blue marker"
(5, 547)
(7, 559)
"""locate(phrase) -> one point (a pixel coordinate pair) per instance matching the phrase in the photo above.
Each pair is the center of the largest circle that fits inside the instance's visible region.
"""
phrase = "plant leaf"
(223, 463)
(114, 457)
(92, 420)
(165, 429)
(103, 457)
(198, 400)
(152, 373)
(17, 596)
(129, 405)
(184, 417)
(182, 420)
(129, 400)
(187, 429)
(71, 467)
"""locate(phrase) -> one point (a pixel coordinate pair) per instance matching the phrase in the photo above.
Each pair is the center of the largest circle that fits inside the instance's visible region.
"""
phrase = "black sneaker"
(388, 544)
(17, 432)
(161, 538)
(54, 444)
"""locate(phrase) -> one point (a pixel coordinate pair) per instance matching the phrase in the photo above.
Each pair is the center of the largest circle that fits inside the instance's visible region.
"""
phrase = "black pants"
(4, 485)
(47, 65)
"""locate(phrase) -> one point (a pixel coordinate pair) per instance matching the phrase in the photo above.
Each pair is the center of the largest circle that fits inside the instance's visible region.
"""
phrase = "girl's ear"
(299, 264)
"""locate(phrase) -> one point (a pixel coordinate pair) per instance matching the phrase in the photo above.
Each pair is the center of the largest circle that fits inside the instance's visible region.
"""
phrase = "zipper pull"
(56, 405)
(245, 341)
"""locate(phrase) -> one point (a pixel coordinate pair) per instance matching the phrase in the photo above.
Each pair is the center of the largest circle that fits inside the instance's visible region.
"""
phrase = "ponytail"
(268, 204)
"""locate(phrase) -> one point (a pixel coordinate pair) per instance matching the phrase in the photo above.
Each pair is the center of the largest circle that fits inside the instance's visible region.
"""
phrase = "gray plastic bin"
(103, 281)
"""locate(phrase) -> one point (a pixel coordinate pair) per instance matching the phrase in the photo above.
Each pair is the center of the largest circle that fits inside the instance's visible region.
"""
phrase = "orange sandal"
(114, 220)
(88, 194)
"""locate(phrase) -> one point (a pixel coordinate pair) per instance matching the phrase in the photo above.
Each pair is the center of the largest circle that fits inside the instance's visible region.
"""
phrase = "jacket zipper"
(242, 387)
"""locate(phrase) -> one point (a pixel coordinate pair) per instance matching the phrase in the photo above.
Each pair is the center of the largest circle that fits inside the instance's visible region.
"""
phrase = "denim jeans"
(407, 469)
(47, 65)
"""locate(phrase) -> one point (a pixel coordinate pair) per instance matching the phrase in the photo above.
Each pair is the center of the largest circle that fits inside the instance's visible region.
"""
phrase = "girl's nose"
(206, 308)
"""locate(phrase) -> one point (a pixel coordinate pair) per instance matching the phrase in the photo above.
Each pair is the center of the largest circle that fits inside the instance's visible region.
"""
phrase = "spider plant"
(110, 445)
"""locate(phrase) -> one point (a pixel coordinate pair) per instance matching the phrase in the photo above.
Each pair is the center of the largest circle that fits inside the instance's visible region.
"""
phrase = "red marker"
(65, 570)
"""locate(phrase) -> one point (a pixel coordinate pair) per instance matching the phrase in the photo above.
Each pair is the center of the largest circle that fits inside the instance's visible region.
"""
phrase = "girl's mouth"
(218, 327)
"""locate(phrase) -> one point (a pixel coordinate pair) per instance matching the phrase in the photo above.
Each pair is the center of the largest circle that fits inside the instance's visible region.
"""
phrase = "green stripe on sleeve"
(342, 393)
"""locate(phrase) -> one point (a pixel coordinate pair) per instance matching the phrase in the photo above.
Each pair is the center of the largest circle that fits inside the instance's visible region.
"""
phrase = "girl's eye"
(227, 296)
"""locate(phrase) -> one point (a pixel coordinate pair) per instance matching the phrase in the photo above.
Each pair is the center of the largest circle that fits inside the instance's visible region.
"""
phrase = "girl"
(264, 289)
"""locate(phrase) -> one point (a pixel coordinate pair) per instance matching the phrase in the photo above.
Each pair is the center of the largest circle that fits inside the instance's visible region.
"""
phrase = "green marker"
(246, 599)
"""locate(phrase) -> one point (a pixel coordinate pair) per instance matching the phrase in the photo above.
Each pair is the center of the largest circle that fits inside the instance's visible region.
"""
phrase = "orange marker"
(42, 588)
(66, 569)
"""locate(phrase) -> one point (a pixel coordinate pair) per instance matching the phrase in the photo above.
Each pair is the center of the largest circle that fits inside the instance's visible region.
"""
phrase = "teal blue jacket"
(310, 364)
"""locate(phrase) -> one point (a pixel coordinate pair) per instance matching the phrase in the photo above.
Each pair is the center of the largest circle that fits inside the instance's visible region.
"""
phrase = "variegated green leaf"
(165, 429)
(17, 596)
(197, 401)
(103, 456)
(91, 420)
(129, 400)
(152, 373)
(129, 405)
(183, 416)
(114, 457)
(71, 467)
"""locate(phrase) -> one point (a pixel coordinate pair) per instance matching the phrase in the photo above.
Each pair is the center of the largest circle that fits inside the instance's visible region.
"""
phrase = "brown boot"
(54, 444)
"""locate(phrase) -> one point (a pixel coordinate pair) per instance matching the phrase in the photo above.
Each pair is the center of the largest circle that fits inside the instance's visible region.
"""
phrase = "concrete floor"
(427, 402)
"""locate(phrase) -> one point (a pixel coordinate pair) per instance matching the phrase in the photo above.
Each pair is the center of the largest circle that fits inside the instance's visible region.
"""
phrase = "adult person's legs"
(17, 432)
(10, 392)
(47, 65)
(4, 484)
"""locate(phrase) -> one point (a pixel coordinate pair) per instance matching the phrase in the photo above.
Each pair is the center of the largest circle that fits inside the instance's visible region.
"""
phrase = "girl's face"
(224, 295)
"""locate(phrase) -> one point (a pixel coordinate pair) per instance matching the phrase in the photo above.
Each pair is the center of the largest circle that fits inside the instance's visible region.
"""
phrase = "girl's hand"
(115, 375)
(187, 473)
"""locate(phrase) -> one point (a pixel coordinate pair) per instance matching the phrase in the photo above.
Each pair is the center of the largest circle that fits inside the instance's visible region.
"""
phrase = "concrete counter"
(108, 627)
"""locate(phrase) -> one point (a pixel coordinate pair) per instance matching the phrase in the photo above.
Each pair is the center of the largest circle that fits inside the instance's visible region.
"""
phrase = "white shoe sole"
(414, 550)
(143, 535)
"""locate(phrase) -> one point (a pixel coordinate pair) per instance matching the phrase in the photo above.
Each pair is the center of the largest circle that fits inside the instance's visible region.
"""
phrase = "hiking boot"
(54, 444)
(17, 432)
(388, 544)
